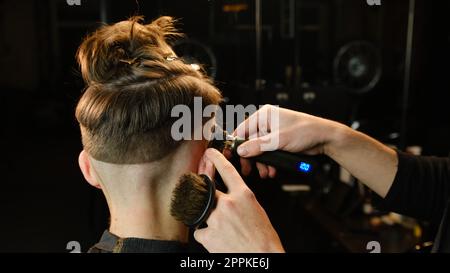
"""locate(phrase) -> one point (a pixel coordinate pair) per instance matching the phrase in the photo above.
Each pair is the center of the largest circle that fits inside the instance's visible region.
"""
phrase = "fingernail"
(242, 151)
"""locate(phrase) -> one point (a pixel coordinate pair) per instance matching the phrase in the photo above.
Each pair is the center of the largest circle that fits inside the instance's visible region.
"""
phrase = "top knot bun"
(113, 51)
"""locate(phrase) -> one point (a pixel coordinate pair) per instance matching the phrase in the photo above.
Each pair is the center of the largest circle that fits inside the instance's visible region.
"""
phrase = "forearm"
(371, 162)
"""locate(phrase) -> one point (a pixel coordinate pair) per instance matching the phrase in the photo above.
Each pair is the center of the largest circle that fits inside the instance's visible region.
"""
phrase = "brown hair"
(133, 82)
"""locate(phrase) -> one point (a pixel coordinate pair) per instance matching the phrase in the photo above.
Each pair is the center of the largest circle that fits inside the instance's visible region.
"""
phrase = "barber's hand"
(296, 132)
(238, 223)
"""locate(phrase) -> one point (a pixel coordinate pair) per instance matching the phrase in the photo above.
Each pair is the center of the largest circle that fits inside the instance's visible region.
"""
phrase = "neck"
(150, 219)
(139, 195)
(140, 205)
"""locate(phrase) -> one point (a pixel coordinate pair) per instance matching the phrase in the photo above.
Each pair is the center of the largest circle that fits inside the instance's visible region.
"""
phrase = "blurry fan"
(357, 67)
(196, 53)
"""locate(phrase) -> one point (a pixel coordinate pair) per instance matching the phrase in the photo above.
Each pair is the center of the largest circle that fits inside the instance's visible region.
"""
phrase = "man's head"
(133, 82)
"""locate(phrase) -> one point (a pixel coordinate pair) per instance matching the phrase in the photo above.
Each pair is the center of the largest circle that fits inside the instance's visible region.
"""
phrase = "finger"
(219, 195)
(254, 135)
(262, 169)
(259, 121)
(246, 166)
(248, 127)
(255, 146)
(272, 172)
(212, 219)
(201, 235)
(206, 167)
(314, 151)
(263, 123)
(229, 174)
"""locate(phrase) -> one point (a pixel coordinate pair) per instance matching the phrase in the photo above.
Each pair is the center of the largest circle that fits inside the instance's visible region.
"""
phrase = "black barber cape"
(110, 243)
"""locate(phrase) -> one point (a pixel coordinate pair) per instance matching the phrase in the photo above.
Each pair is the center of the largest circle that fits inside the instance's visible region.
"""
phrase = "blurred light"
(304, 167)
(234, 7)
(195, 67)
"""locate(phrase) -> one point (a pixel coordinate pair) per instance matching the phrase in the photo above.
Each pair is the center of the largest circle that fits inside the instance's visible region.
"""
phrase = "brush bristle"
(189, 198)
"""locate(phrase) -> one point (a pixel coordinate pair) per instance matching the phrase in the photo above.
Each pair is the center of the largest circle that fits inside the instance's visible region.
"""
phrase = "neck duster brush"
(193, 199)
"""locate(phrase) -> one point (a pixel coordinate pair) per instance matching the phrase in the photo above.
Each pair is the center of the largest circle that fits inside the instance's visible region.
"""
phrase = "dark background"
(44, 201)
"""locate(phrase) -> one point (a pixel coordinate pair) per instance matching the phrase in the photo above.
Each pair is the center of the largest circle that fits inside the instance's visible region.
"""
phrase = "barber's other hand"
(238, 223)
(296, 132)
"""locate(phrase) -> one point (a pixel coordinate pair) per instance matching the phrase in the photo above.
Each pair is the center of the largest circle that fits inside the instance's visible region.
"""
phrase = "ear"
(86, 169)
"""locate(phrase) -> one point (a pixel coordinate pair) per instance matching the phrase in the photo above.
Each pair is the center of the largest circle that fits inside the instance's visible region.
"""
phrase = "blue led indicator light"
(304, 167)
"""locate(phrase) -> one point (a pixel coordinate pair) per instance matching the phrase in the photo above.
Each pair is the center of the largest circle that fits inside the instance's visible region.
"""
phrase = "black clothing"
(110, 243)
(421, 189)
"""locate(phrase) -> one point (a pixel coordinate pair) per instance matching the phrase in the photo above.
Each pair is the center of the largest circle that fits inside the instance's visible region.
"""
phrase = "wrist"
(338, 135)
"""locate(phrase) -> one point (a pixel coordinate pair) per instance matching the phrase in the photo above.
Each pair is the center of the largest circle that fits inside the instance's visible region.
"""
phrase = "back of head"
(133, 81)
